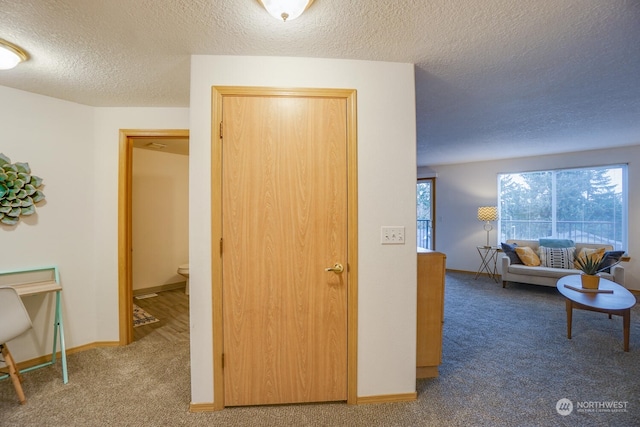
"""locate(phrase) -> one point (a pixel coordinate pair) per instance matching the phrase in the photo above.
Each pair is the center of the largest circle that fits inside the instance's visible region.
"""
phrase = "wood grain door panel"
(284, 220)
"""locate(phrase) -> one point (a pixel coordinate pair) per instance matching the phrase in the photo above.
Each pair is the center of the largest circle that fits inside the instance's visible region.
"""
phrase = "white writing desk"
(37, 281)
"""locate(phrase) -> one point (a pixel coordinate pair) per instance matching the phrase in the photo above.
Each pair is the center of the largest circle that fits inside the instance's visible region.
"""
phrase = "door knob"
(337, 268)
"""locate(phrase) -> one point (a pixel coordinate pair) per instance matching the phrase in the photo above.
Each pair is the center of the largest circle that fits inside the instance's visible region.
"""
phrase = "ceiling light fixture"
(11, 55)
(287, 10)
(157, 145)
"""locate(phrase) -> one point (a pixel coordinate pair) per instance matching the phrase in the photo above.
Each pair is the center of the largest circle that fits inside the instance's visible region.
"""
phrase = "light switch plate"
(392, 235)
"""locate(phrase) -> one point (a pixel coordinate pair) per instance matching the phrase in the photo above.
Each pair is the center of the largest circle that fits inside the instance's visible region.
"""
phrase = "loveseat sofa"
(548, 276)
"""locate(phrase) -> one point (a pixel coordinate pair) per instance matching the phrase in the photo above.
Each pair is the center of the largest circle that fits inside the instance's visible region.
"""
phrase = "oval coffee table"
(615, 299)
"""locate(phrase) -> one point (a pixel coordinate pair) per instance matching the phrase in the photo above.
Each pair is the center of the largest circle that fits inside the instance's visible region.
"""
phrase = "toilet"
(183, 270)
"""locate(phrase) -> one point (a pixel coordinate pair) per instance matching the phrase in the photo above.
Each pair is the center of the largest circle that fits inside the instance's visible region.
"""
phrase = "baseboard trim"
(161, 288)
(47, 358)
(388, 398)
(203, 407)
(451, 270)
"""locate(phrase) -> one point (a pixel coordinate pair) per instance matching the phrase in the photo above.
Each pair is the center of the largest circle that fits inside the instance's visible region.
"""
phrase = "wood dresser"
(431, 270)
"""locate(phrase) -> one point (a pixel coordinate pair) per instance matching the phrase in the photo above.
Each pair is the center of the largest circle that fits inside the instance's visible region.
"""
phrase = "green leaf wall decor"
(19, 191)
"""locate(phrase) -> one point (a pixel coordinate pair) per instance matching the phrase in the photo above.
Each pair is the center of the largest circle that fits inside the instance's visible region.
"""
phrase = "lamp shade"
(286, 10)
(488, 213)
(10, 55)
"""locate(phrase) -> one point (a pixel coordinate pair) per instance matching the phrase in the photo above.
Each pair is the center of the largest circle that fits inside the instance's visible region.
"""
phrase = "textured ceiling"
(494, 78)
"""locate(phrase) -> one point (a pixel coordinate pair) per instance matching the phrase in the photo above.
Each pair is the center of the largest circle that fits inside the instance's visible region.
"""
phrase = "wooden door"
(284, 221)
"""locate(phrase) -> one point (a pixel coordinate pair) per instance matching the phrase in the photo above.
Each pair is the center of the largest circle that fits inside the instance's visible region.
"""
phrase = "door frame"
(125, 257)
(349, 95)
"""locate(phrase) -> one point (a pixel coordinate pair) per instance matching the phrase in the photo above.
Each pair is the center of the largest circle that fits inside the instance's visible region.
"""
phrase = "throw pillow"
(528, 256)
(556, 243)
(557, 257)
(595, 254)
(510, 251)
(609, 259)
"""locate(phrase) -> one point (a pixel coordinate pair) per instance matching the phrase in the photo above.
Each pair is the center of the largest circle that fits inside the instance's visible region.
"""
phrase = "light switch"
(392, 235)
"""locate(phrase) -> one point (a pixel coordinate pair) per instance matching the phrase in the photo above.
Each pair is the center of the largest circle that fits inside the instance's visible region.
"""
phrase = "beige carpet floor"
(506, 362)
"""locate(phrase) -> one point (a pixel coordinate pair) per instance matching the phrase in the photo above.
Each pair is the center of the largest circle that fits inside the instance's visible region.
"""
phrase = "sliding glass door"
(425, 213)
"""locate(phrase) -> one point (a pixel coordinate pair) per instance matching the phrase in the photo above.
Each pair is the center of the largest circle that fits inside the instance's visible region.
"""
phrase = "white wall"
(55, 138)
(74, 148)
(386, 180)
(461, 188)
(160, 217)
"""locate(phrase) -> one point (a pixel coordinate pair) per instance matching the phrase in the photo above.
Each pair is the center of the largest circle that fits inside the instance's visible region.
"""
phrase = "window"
(585, 205)
(425, 202)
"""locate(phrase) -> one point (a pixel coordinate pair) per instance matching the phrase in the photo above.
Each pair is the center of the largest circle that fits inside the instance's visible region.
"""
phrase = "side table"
(489, 261)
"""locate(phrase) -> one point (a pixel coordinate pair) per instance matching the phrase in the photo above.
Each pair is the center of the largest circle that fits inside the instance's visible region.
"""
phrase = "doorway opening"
(173, 140)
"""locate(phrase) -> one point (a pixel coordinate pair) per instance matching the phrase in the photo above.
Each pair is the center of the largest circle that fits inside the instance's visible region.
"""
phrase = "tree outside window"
(587, 205)
(424, 212)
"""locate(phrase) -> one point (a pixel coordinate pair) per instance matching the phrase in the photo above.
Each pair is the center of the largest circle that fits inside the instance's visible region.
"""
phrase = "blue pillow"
(609, 259)
(510, 251)
(556, 243)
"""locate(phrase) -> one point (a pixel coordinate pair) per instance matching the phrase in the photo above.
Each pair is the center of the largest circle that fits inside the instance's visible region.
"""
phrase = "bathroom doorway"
(152, 224)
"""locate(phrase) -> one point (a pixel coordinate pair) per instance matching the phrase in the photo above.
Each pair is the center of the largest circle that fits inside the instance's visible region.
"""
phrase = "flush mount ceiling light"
(286, 10)
(10, 55)
(157, 145)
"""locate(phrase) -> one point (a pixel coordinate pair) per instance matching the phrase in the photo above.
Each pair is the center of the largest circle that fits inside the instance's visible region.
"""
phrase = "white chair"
(14, 321)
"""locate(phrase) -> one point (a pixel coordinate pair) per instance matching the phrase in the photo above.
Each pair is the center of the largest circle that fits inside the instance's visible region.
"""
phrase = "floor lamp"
(487, 214)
